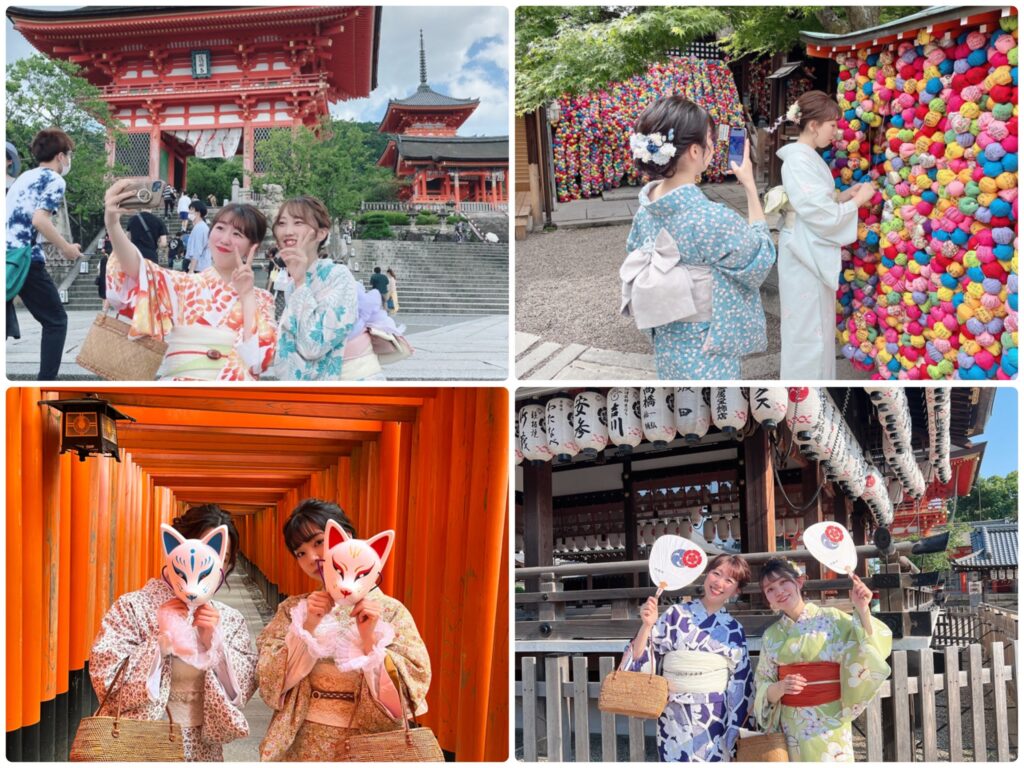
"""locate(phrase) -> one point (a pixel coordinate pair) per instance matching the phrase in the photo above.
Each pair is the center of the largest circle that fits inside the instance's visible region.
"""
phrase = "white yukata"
(810, 263)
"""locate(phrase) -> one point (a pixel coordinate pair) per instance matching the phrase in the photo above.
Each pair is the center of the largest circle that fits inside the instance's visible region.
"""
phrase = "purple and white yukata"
(701, 727)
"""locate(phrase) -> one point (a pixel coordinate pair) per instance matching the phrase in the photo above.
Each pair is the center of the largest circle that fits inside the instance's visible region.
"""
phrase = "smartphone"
(148, 194)
(737, 140)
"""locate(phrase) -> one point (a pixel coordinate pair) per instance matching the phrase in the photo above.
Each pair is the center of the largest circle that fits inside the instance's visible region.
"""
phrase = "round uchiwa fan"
(832, 546)
(675, 562)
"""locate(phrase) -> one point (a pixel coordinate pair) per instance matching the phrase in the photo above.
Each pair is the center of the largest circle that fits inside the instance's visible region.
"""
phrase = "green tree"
(213, 176)
(336, 163)
(992, 498)
(49, 93)
(575, 50)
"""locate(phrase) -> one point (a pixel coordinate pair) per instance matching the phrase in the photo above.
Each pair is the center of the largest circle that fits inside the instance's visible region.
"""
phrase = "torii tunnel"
(430, 463)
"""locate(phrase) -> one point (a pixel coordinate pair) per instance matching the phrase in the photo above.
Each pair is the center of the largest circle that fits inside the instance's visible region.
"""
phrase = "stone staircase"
(440, 278)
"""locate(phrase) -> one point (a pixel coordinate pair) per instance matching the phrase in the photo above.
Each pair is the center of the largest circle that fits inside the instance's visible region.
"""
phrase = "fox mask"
(194, 568)
(352, 567)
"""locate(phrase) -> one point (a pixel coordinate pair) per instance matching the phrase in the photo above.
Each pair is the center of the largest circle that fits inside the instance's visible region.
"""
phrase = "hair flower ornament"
(654, 148)
(793, 114)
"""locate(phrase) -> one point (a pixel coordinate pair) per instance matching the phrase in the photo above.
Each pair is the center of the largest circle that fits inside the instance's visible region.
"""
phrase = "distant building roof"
(453, 147)
(425, 96)
(994, 545)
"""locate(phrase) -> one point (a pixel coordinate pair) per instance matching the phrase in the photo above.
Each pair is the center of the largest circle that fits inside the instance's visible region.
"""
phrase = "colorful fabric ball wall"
(591, 139)
(929, 290)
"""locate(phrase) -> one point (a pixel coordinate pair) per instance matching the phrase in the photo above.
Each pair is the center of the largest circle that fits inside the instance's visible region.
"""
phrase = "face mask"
(352, 566)
(194, 568)
(65, 170)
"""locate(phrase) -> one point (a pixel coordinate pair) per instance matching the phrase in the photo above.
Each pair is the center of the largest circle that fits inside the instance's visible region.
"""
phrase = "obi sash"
(359, 360)
(696, 672)
(186, 697)
(822, 683)
(325, 710)
(196, 352)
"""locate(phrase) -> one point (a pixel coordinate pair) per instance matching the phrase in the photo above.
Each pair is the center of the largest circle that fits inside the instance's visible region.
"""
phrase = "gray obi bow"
(657, 289)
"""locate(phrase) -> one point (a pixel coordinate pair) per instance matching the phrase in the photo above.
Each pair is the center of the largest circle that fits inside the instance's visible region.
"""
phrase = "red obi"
(822, 683)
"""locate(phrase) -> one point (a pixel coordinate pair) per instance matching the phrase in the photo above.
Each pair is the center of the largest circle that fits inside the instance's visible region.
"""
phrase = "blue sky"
(467, 57)
(1001, 435)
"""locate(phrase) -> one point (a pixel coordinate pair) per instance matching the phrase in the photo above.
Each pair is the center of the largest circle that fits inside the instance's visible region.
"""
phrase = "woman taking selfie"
(218, 326)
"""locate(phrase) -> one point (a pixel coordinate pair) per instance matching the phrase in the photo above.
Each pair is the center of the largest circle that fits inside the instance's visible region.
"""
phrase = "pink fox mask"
(194, 568)
(352, 567)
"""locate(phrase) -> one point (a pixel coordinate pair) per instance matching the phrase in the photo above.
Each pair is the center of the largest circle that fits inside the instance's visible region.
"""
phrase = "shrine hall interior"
(430, 463)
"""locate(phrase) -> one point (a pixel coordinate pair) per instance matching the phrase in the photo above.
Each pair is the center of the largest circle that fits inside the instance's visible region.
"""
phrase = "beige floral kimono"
(129, 630)
(290, 735)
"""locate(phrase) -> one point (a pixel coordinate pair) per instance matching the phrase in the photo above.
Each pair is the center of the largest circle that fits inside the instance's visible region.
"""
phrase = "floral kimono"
(740, 256)
(226, 675)
(324, 688)
(701, 726)
(822, 733)
(810, 262)
(162, 300)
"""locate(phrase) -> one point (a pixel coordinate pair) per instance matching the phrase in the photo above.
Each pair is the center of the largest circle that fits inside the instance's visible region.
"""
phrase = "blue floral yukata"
(740, 255)
(701, 727)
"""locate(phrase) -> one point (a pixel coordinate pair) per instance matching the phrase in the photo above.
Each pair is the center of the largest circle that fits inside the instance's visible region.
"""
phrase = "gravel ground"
(568, 291)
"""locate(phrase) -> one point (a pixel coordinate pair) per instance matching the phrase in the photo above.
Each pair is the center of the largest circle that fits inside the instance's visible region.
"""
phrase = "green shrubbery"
(455, 218)
(426, 218)
(394, 218)
(375, 226)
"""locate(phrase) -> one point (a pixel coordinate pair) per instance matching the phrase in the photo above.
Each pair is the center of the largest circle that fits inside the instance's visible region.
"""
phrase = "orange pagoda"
(439, 166)
(210, 81)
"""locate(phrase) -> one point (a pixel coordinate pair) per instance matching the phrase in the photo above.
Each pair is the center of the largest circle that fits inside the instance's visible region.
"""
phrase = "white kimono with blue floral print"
(701, 727)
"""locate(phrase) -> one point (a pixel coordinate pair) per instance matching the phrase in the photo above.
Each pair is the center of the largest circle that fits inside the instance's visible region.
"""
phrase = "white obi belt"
(695, 672)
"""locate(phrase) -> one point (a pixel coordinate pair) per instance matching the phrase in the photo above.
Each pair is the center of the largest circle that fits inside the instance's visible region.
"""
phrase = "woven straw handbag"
(402, 745)
(762, 748)
(111, 739)
(110, 354)
(635, 694)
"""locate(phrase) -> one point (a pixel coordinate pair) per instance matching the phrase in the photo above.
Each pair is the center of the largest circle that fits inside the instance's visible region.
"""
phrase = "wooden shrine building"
(210, 81)
(439, 166)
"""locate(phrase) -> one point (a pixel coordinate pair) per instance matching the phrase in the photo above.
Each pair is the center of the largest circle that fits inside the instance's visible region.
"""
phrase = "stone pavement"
(448, 347)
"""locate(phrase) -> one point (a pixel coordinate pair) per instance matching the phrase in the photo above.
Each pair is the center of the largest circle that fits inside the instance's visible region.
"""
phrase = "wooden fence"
(960, 708)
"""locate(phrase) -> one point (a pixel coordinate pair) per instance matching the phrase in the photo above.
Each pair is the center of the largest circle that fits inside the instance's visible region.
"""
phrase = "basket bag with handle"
(110, 354)
(405, 745)
(761, 748)
(113, 739)
(635, 694)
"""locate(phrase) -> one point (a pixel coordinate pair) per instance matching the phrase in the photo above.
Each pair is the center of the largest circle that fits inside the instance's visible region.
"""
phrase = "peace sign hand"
(242, 279)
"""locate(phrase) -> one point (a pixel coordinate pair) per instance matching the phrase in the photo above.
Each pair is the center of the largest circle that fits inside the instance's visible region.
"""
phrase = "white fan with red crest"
(832, 546)
(675, 563)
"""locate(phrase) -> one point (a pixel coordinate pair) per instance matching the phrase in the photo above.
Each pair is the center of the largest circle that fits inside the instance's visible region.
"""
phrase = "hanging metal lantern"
(656, 408)
(692, 413)
(88, 426)
(768, 405)
(561, 430)
(729, 409)
(533, 434)
(624, 425)
(590, 413)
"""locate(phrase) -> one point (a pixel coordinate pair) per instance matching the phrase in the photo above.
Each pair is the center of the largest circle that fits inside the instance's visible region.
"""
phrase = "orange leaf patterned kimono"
(294, 733)
(162, 299)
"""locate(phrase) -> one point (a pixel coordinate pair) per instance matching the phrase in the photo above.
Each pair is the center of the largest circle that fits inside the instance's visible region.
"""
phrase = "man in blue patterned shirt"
(32, 200)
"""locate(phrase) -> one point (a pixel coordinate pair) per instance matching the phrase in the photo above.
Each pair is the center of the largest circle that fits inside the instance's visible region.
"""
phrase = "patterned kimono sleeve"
(667, 635)
(152, 300)
(864, 666)
(223, 705)
(408, 654)
(768, 716)
(740, 692)
(272, 661)
(635, 238)
(743, 252)
(258, 351)
(323, 313)
(124, 635)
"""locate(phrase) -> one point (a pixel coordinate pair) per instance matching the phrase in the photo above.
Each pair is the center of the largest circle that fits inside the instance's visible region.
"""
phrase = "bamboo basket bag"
(110, 354)
(111, 739)
(762, 748)
(634, 694)
(404, 745)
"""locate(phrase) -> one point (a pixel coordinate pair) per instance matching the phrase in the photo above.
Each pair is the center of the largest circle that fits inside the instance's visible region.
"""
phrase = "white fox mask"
(352, 566)
(194, 568)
